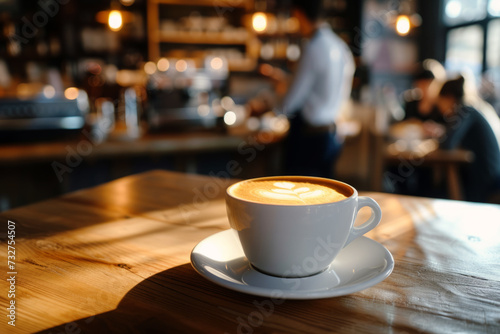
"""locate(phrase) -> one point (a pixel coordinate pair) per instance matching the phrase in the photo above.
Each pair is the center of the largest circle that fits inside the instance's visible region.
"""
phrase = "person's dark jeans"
(310, 154)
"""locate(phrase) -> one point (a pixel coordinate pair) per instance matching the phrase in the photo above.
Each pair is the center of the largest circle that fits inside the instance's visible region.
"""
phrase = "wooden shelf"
(157, 37)
(182, 37)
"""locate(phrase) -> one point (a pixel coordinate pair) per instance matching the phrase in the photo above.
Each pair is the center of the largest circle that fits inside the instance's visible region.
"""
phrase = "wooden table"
(115, 259)
(447, 162)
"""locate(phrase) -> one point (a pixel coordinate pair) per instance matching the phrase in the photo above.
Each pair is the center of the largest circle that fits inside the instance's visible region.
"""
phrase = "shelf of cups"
(182, 37)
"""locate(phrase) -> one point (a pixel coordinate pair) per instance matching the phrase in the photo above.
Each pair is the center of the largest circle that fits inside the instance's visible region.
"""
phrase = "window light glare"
(494, 7)
(453, 9)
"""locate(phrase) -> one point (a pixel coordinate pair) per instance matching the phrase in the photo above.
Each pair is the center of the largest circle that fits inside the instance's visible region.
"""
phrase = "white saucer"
(362, 264)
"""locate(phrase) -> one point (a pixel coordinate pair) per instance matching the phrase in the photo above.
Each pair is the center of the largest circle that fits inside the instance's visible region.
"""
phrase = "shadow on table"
(169, 197)
(179, 300)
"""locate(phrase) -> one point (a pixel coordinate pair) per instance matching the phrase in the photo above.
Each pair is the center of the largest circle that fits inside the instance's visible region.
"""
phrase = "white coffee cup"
(297, 240)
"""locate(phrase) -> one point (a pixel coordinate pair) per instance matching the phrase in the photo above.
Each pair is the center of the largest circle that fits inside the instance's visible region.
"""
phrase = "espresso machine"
(42, 118)
(184, 97)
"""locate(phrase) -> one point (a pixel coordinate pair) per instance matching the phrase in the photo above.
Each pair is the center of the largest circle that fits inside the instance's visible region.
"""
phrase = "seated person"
(420, 101)
(468, 129)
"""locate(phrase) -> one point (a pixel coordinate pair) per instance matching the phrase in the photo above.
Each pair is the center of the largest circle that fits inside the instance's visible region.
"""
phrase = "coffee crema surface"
(284, 191)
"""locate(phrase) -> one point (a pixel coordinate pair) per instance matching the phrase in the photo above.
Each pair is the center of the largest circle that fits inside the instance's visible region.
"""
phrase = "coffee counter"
(34, 171)
(116, 259)
(150, 144)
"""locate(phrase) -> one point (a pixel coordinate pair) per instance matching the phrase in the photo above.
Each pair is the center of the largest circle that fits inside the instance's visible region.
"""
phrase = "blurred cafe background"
(91, 91)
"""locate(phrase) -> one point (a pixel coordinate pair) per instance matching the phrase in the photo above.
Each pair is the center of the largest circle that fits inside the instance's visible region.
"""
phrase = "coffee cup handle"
(370, 224)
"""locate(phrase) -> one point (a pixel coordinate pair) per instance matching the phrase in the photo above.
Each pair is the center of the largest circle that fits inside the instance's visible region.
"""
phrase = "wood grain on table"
(115, 259)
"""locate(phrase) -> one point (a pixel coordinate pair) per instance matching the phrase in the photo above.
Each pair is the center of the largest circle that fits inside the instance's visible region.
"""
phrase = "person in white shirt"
(322, 84)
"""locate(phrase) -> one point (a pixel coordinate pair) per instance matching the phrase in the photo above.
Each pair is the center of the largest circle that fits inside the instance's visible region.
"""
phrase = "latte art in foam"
(287, 192)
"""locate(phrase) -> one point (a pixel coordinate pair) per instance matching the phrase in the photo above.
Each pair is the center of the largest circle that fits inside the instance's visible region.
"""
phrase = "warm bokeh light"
(71, 93)
(267, 51)
(279, 124)
(123, 77)
(293, 52)
(115, 20)
(127, 78)
(163, 64)
(227, 103)
(150, 68)
(259, 21)
(22, 90)
(49, 91)
(403, 25)
(216, 63)
(253, 124)
(181, 65)
(230, 118)
(217, 108)
(203, 110)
